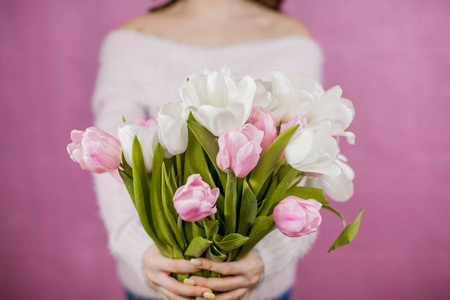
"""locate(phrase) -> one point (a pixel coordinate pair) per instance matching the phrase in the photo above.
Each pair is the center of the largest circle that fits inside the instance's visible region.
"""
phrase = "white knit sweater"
(138, 73)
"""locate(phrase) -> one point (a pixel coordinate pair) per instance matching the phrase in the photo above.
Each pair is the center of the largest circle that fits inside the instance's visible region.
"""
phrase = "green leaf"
(160, 221)
(179, 159)
(173, 180)
(260, 206)
(195, 160)
(128, 181)
(260, 228)
(348, 234)
(209, 143)
(305, 192)
(278, 193)
(217, 238)
(280, 164)
(172, 188)
(230, 204)
(272, 187)
(215, 254)
(142, 195)
(283, 172)
(231, 241)
(169, 209)
(192, 230)
(211, 227)
(248, 209)
(140, 185)
(222, 226)
(169, 162)
(269, 160)
(197, 246)
(188, 171)
(266, 187)
(126, 167)
(220, 204)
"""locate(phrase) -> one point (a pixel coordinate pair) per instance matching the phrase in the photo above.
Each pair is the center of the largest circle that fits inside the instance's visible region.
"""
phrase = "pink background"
(390, 56)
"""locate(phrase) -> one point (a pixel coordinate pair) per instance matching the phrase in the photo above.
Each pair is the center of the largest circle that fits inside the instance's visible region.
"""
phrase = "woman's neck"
(212, 9)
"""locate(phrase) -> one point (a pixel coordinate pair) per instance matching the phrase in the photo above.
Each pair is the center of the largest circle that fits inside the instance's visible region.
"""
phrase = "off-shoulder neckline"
(234, 45)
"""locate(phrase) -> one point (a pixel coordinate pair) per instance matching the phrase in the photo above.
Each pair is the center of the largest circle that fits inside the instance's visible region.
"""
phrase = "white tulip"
(263, 96)
(313, 149)
(338, 188)
(173, 132)
(331, 106)
(219, 101)
(295, 95)
(148, 138)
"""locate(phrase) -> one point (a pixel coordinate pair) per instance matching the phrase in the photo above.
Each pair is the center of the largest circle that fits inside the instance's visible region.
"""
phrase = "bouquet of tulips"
(233, 160)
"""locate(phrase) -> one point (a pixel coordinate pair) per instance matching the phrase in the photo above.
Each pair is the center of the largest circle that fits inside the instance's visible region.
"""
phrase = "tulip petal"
(330, 106)
(220, 101)
(95, 150)
(313, 150)
(338, 187)
(247, 158)
(148, 138)
(296, 217)
(195, 200)
(173, 133)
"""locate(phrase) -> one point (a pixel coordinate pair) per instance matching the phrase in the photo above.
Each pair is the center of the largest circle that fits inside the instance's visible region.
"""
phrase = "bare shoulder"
(144, 23)
(136, 23)
(286, 25)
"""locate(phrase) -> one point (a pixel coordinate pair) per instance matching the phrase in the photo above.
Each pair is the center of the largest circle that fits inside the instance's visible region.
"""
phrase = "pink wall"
(391, 58)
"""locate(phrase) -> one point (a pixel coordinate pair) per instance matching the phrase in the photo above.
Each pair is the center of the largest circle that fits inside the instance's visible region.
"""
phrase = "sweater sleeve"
(116, 95)
(278, 251)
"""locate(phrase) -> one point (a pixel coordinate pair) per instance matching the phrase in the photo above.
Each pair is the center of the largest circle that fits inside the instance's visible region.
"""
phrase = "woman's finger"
(170, 265)
(166, 294)
(248, 265)
(222, 284)
(246, 295)
(225, 268)
(178, 288)
(233, 295)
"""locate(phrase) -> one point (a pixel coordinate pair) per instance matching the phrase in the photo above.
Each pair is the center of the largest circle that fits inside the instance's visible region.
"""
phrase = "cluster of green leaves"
(244, 206)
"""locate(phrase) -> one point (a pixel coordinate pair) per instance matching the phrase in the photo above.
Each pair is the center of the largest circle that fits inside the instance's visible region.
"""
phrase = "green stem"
(179, 169)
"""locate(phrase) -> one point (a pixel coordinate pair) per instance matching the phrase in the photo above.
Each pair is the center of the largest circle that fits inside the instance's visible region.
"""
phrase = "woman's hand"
(243, 275)
(158, 269)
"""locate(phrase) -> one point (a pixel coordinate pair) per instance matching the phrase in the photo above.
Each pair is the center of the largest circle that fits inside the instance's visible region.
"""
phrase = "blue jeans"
(131, 296)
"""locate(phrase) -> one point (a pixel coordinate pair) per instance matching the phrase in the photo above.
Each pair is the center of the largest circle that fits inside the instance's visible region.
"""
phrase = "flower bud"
(296, 216)
(195, 200)
(239, 150)
(148, 138)
(264, 122)
(95, 150)
(173, 133)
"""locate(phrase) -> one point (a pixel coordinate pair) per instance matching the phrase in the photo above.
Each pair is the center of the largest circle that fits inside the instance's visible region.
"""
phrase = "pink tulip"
(145, 122)
(264, 122)
(296, 217)
(240, 149)
(95, 150)
(195, 200)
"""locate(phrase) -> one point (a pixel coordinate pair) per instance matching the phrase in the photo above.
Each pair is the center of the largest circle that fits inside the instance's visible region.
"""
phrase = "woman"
(142, 66)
